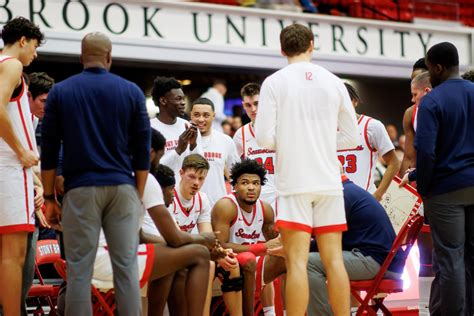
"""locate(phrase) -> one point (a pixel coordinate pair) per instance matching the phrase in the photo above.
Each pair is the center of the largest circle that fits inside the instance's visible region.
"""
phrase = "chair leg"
(379, 303)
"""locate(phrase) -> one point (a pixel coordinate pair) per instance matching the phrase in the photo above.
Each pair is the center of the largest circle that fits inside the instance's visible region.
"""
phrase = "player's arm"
(238, 141)
(348, 132)
(268, 222)
(233, 155)
(409, 157)
(222, 215)
(265, 123)
(378, 137)
(146, 238)
(172, 235)
(10, 72)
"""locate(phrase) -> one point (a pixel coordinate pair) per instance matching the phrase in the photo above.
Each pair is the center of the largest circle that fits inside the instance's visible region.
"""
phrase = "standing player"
(305, 113)
(420, 86)
(242, 220)
(246, 143)
(182, 137)
(218, 148)
(18, 153)
(359, 163)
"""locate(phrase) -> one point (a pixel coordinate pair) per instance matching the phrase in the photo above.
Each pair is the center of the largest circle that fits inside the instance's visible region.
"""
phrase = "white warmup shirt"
(152, 196)
(171, 134)
(189, 213)
(359, 163)
(219, 150)
(305, 114)
(247, 147)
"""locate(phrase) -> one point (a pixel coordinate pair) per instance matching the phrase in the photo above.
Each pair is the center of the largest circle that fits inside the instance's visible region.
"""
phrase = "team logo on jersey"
(171, 144)
(242, 234)
(251, 151)
(186, 228)
(211, 156)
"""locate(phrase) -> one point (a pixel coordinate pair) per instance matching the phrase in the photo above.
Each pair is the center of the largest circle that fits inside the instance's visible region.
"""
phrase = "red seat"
(403, 242)
(47, 252)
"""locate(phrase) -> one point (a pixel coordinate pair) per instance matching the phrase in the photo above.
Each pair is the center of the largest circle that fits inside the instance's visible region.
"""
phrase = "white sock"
(269, 311)
(284, 312)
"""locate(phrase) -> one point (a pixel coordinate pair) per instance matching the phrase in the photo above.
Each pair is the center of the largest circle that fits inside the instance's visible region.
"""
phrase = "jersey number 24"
(268, 164)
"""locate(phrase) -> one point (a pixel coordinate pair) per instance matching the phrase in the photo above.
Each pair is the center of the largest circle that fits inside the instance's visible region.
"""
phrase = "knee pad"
(246, 257)
(228, 284)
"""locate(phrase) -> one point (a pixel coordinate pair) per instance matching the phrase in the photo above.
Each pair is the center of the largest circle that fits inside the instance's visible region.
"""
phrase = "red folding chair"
(404, 241)
(47, 252)
(103, 303)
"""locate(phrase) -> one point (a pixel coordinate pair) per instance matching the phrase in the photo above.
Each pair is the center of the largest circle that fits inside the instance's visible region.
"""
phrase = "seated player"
(241, 219)
(365, 246)
(192, 212)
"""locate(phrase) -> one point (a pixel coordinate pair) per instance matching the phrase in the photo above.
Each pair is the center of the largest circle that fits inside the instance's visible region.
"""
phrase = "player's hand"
(53, 213)
(278, 252)
(39, 200)
(405, 178)
(193, 137)
(273, 243)
(209, 239)
(183, 140)
(28, 158)
(42, 219)
(229, 262)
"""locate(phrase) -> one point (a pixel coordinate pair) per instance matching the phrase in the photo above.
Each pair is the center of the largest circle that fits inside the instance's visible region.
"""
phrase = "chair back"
(47, 251)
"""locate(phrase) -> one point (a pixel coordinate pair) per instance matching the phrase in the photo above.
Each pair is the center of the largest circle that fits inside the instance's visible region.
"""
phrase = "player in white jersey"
(182, 137)
(305, 114)
(219, 149)
(359, 162)
(18, 153)
(247, 146)
(242, 220)
(420, 86)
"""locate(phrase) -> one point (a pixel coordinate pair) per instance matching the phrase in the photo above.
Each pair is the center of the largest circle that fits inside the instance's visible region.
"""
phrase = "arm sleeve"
(51, 132)
(265, 123)
(238, 141)
(348, 134)
(425, 144)
(59, 169)
(378, 137)
(152, 196)
(140, 137)
(205, 216)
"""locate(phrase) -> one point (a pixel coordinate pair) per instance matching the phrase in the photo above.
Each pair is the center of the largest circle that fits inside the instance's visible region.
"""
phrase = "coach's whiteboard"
(399, 203)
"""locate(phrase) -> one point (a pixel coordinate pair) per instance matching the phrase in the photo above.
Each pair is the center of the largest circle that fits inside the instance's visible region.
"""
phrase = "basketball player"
(246, 143)
(242, 220)
(420, 86)
(38, 89)
(182, 137)
(18, 154)
(305, 114)
(359, 163)
(218, 148)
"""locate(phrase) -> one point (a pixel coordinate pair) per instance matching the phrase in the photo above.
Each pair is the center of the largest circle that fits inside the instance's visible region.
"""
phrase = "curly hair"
(18, 27)
(162, 85)
(39, 83)
(468, 75)
(247, 166)
(164, 175)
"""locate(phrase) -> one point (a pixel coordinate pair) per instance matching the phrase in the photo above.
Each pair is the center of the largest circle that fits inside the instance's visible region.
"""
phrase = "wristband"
(258, 249)
(49, 197)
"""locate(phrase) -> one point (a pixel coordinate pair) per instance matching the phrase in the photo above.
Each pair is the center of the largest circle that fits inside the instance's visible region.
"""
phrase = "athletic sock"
(269, 311)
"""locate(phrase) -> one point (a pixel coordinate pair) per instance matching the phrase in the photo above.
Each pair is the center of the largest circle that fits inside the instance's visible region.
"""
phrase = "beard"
(249, 202)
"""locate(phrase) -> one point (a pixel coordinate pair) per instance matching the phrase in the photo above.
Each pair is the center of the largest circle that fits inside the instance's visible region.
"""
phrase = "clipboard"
(400, 203)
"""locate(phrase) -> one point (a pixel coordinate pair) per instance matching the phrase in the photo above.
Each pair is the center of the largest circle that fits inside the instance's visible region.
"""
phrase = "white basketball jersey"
(247, 147)
(246, 228)
(18, 110)
(186, 218)
(359, 163)
(414, 117)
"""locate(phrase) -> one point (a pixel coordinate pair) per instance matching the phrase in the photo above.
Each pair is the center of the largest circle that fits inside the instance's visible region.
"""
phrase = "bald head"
(96, 51)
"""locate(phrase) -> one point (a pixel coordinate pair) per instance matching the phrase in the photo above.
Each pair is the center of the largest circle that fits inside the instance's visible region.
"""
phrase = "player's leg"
(248, 266)
(267, 298)
(329, 222)
(273, 267)
(177, 292)
(157, 294)
(13, 257)
(193, 257)
(232, 292)
(207, 303)
(296, 245)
